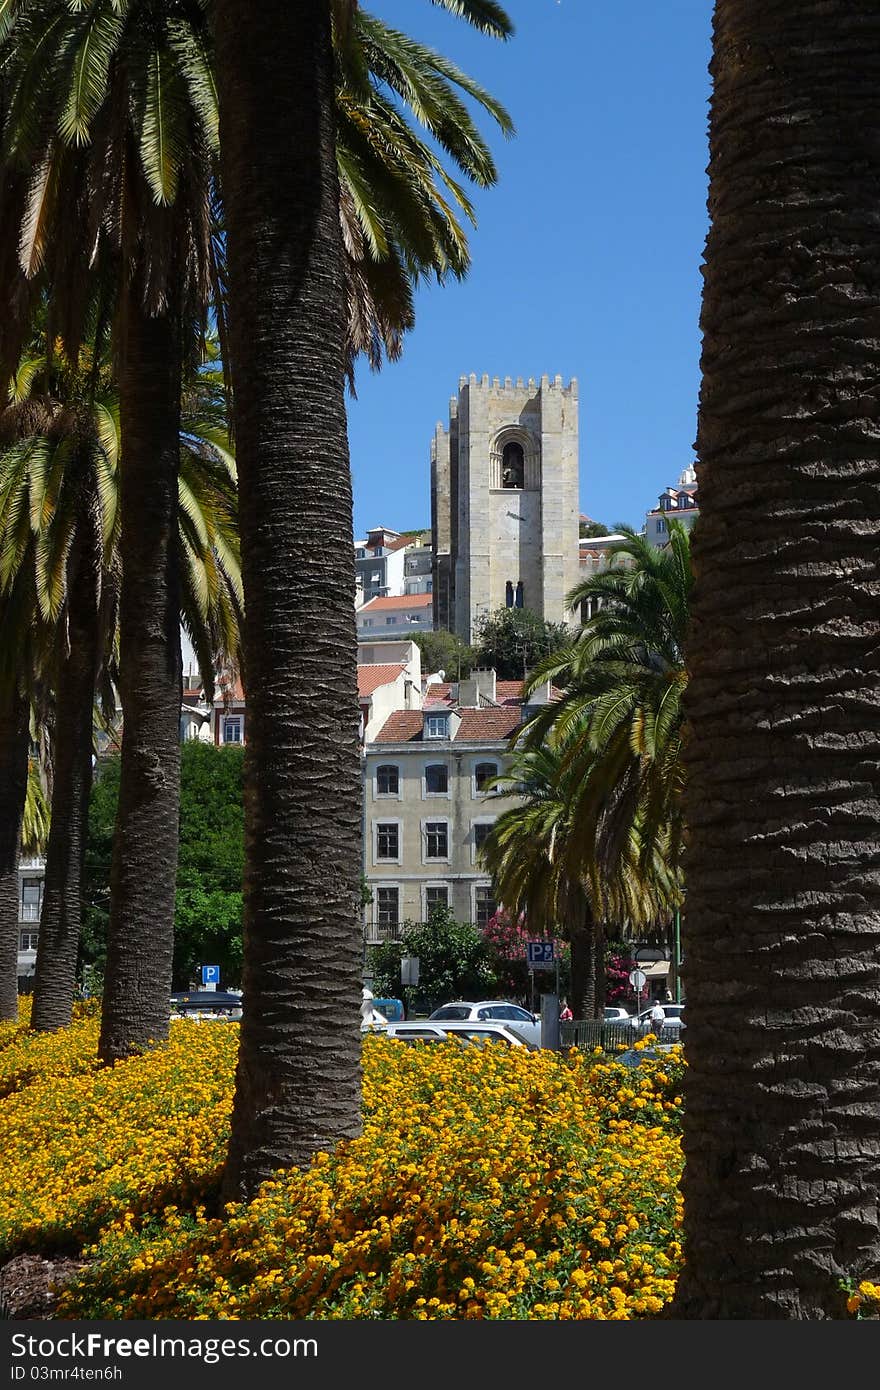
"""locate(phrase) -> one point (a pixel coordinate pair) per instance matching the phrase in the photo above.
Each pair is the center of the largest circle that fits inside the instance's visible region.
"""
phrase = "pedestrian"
(658, 1018)
(566, 1016)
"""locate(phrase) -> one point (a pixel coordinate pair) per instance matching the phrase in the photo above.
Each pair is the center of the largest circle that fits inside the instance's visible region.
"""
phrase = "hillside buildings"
(679, 502)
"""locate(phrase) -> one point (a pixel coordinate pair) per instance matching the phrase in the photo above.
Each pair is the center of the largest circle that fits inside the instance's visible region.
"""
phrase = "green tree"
(298, 1080)
(590, 528)
(622, 678)
(60, 520)
(514, 640)
(208, 898)
(455, 961)
(444, 651)
(782, 800)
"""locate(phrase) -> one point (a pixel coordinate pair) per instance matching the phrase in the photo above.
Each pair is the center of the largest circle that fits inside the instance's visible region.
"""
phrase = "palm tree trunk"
(137, 984)
(14, 737)
(587, 945)
(298, 1081)
(61, 917)
(782, 922)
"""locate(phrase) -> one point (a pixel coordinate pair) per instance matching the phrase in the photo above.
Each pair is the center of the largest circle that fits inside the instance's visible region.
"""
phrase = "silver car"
(492, 1011)
(467, 1031)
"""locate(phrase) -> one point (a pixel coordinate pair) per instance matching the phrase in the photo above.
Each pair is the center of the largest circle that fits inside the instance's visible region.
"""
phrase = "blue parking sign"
(210, 974)
(540, 953)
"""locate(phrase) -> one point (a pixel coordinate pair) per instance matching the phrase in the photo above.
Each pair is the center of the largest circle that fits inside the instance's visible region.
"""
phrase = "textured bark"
(61, 917)
(13, 789)
(586, 939)
(298, 1080)
(782, 924)
(137, 986)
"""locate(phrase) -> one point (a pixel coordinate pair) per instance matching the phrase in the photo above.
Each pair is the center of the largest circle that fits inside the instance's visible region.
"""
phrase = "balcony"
(377, 933)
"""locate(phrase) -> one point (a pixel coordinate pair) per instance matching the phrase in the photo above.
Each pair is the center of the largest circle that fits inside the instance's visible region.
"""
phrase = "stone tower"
(504, 501)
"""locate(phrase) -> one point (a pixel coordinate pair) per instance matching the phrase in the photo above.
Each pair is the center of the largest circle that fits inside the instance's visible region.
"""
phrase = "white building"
(428, 806)
(380, 565)
(395, 616)
(31, 876)
(679, 503)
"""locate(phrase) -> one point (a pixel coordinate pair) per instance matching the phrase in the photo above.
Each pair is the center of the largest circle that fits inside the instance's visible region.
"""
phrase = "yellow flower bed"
(81, 1145)
(488, 1183)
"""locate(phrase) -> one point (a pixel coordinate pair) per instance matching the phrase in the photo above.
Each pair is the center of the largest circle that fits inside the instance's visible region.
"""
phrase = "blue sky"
(587, 255)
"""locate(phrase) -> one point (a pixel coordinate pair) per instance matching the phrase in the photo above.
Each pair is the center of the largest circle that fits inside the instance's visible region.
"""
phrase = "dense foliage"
(514, 640)
(445, 651)
(207, 919)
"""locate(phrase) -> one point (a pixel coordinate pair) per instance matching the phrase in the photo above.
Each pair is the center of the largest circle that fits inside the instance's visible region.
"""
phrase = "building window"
(429, 586)
(390, 621)
(481, 835)
(436, 725)
(436, 779)
(387, 840)
(27, 940)
(376, 577)
(518, 601)
(484, 905)
(361, 554)
(661, 527)
(513, 465)
(232, 729)
(31, 899)
(368, 622)
(483, 774)
(436, 896)
(436, 839)
(508, 594)
(387, 780)
(388, 907)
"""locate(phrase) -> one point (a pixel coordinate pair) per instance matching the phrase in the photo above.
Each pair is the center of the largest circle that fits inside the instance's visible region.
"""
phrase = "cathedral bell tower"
(504, 501)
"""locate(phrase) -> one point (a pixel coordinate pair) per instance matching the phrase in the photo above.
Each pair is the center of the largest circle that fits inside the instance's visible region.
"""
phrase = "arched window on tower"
(519, 595)
(508, 593)
(513, 465)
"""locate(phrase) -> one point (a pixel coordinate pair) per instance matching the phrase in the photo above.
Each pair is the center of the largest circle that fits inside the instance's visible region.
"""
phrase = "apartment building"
(679, 503)
(31, 875)
(395, 615)
(428, 805)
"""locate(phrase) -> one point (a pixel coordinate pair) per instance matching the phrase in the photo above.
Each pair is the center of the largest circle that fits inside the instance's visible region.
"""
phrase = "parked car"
(207, 1004)
(614, 1014)
(493, 1010)
(673, 1025)
(467, 1031)
(635, 1056)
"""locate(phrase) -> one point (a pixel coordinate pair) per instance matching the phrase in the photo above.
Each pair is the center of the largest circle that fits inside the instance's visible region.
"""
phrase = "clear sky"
(586, 260)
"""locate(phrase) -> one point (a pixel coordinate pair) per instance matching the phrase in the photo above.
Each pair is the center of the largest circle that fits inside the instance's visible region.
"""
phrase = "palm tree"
(545, 860)
(298, 1081)
(139, 176)
(16, 644)
(782, 927)
(59, 516)
(619, 712)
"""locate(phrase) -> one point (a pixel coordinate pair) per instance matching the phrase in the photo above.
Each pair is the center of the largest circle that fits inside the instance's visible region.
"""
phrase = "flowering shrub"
(82, 1145)
(488, 1183)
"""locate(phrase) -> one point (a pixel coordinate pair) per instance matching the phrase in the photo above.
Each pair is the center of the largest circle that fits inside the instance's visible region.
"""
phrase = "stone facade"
(504, 501)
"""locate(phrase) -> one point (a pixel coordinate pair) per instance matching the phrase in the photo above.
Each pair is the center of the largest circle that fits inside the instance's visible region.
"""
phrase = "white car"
(672, 1026)
(492, 1011)
(467, 1031)
(614, 1014)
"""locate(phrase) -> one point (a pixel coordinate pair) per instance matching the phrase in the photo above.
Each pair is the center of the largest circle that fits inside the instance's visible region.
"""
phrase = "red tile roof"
(401, 727)
(371, 677)
(487, 725)
(477, 726)
(508, 692)
(438, 692)
(399, 601)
